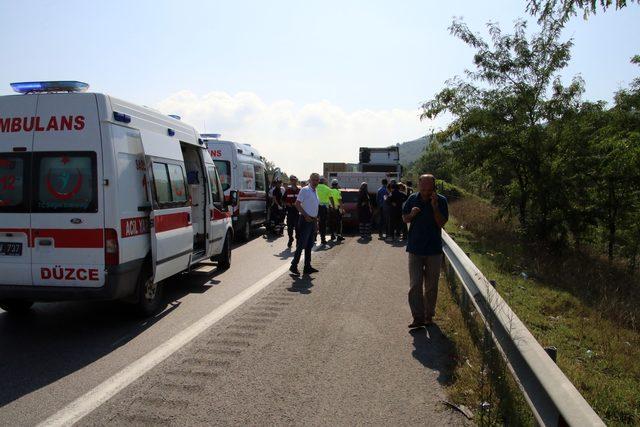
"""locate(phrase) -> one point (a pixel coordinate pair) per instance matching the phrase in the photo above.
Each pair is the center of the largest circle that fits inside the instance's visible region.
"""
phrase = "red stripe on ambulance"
(130, 227)
(172, 221)
(66, 238)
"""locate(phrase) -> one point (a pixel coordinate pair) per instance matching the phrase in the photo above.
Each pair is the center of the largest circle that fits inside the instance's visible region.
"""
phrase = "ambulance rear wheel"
(149, 294)
(15, 306)
(224, 259)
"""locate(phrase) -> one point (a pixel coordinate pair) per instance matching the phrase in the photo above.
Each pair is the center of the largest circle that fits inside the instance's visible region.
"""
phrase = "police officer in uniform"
(290, 196)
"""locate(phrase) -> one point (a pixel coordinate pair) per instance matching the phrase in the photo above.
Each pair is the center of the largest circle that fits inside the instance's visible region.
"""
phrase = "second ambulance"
(242, 170)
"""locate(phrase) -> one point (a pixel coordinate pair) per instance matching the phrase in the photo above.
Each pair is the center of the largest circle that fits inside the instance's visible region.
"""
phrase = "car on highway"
(350, 207)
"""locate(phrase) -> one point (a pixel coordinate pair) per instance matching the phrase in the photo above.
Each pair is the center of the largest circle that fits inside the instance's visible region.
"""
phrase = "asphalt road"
(330, 349)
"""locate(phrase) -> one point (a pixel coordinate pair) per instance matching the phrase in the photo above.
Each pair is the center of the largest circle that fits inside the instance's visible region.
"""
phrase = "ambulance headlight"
(50, 86)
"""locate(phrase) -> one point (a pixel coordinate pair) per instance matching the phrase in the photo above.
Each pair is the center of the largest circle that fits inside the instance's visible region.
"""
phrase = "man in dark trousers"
(290, 196)
(307, 204)
(380, 196)
(426, 212)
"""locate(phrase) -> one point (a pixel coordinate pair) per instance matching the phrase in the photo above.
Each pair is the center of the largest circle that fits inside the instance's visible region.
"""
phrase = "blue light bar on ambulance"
(54, 86)
(211, 135)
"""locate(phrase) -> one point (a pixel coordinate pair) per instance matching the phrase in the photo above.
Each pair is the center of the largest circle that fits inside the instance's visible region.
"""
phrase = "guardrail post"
(552, 351)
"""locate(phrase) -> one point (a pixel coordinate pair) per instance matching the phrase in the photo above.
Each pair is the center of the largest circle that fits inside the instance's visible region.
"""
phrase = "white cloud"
(297, 138)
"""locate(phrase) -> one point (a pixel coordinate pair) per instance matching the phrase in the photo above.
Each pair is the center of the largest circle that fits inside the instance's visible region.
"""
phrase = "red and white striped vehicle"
(242, 170)
(101, 199)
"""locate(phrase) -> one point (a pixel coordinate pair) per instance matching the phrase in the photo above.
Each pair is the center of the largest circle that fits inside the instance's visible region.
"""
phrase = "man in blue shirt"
(427, 212)
(382, 223)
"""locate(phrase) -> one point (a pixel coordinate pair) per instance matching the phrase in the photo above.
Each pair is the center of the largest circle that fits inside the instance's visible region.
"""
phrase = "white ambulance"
(101, 199)
(242, 170)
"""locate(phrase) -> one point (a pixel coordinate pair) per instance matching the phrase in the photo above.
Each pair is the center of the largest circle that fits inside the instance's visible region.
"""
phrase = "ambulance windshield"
(12, 177)
(65, 182)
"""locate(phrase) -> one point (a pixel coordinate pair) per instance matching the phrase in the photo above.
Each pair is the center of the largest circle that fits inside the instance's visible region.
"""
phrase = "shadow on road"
(58, 339)
(285, 254)
(301, 284)
(434, 349)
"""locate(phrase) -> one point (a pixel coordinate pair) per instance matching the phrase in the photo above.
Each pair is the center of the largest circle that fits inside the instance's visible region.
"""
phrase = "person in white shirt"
(307, 204)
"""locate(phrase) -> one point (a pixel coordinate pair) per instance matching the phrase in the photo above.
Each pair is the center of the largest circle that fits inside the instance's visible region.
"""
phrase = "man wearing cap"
(307, 205)
(326, 200)
(290, 196)
(336, 212)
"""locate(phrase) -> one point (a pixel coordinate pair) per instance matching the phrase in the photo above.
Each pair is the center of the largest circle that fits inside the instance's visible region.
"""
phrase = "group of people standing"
(283, 210)
(390, 198)
(425, 211)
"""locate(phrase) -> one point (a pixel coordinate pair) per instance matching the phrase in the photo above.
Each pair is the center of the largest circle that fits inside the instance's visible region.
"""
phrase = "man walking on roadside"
(426, 212)
(382, 221)
(290, 196)
(307, 205)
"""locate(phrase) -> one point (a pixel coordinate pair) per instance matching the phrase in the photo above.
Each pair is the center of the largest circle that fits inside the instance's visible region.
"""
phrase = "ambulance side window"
(259, 173)
(178, 186)
(161, 183)
(214, 183)
(65, 182)
(169, 185)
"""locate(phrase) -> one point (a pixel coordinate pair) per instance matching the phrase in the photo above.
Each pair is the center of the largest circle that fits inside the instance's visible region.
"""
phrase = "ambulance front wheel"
(149, 293)
(224, 259)
(15, 306)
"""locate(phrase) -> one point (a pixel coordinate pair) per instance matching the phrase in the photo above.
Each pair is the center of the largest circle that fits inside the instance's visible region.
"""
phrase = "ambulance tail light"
(111, 249)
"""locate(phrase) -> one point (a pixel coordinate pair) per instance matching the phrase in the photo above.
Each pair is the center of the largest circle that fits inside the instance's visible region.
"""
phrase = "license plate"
(347, 215)
(10, 249)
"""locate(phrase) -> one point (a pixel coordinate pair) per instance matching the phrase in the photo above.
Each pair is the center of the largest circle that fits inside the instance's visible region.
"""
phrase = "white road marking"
(91, 400)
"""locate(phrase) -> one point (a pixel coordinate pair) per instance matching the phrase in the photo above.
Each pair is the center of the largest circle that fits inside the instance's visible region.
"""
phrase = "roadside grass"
(575, 302)
(479, 378)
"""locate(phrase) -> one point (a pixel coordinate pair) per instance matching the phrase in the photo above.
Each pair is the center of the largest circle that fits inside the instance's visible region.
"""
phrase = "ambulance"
(101, 198)
(242, 170)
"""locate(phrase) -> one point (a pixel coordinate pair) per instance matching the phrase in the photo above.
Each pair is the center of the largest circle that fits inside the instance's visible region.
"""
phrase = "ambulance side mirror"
(233, 198)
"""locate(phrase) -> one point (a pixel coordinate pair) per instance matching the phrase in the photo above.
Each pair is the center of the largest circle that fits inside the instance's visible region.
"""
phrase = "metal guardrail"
(553, 399)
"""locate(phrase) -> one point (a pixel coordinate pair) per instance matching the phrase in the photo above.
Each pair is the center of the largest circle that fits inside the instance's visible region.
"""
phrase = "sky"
(304, 82)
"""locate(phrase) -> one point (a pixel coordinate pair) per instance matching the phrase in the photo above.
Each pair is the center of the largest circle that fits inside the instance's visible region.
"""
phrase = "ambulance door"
(17, 120)
(219, 216)
(170, 217)
(67, 218)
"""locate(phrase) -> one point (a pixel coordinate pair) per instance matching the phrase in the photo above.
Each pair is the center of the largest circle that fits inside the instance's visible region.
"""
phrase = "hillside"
(410, 151)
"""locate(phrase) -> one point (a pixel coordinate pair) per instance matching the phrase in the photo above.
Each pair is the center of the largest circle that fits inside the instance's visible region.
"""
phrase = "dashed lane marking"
(91, 400)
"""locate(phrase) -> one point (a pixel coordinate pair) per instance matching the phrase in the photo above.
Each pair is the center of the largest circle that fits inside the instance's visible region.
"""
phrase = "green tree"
(618, 148)
(564, 9)
(435, 159)
(501, 113)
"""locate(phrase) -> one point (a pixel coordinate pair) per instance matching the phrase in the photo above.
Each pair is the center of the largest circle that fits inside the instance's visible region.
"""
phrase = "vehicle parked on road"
(242, 169)
(350, 206)
(354, 179)
(101, 198)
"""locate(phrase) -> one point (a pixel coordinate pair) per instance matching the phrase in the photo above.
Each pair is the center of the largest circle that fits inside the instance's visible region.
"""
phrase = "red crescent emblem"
(64, 196)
